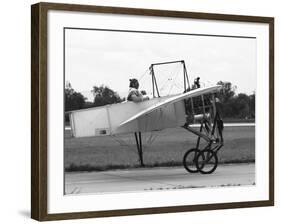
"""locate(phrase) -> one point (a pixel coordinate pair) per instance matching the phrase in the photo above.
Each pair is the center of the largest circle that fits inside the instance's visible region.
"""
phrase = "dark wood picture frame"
(39, 202)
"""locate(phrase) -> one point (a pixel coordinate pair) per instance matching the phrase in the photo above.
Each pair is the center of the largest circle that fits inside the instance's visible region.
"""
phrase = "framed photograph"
(141, 111)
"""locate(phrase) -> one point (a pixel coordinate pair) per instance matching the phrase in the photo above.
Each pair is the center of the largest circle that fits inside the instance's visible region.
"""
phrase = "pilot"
(134, 94)
(197, 83)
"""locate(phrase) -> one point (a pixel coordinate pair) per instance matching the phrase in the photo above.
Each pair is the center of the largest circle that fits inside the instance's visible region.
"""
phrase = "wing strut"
(139, 147)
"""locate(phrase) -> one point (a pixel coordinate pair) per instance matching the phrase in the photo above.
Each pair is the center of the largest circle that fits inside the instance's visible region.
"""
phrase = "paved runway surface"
(157, 179)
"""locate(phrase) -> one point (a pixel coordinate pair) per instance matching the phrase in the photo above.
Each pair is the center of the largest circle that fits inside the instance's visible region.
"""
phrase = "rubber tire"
(194, 150)
(200, 168)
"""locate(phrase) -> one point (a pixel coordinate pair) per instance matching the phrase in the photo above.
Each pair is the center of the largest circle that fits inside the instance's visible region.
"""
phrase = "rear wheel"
(189, 160)
(206, 161)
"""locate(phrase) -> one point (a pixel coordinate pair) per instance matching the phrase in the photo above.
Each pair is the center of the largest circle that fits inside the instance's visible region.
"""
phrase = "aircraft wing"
(169, 101)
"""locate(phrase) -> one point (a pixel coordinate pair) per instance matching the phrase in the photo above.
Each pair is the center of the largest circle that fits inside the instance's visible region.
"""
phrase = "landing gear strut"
(139, 147)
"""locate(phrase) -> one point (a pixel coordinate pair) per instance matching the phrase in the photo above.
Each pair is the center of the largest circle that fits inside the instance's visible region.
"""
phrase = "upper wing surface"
(174, 99)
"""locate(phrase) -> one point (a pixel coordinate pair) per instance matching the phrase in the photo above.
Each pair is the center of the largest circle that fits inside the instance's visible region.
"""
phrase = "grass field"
(167, 149)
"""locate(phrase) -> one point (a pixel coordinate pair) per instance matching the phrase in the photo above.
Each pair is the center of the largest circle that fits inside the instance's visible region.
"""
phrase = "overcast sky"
(108, 57)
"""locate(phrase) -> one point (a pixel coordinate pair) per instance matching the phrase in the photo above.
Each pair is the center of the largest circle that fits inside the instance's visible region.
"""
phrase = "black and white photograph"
(141, 111)
(149, 111)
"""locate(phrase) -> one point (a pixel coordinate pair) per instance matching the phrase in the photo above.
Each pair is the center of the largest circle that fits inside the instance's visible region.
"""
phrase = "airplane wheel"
(206, 161)
(189, 160)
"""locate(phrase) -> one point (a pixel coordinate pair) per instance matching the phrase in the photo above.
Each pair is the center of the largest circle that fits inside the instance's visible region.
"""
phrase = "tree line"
(74, 100)
(230, 105)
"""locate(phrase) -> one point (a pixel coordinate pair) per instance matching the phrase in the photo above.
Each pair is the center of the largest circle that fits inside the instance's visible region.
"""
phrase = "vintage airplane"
(194, 105)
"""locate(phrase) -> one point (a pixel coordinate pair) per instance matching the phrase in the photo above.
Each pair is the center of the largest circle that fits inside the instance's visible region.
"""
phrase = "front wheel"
(189, 160)
(206, 161)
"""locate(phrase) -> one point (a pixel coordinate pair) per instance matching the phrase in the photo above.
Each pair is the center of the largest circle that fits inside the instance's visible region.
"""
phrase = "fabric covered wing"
(171, 109)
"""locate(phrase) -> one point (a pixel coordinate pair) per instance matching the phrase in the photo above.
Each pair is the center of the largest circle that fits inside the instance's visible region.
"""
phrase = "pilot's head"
(134, 83)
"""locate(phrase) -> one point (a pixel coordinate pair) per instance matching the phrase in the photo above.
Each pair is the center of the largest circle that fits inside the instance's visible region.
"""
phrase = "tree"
(225, 97)
(227, 91)
(252, 105)
(103, 95)
(240, 107)
(235, 106)
(73, 100)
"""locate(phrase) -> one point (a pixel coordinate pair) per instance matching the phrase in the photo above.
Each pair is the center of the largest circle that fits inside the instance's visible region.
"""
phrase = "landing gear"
(205, 161)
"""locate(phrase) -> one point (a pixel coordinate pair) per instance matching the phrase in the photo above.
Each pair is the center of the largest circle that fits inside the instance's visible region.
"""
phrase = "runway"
(147, 179)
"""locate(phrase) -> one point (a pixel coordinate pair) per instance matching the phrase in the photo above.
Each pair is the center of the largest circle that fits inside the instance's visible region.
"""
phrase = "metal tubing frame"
(198, 138)
(154, 82)
(198, 133)
(167, 62)
(139, 147)
(204, 136)
(151, 72)
(186, 80)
